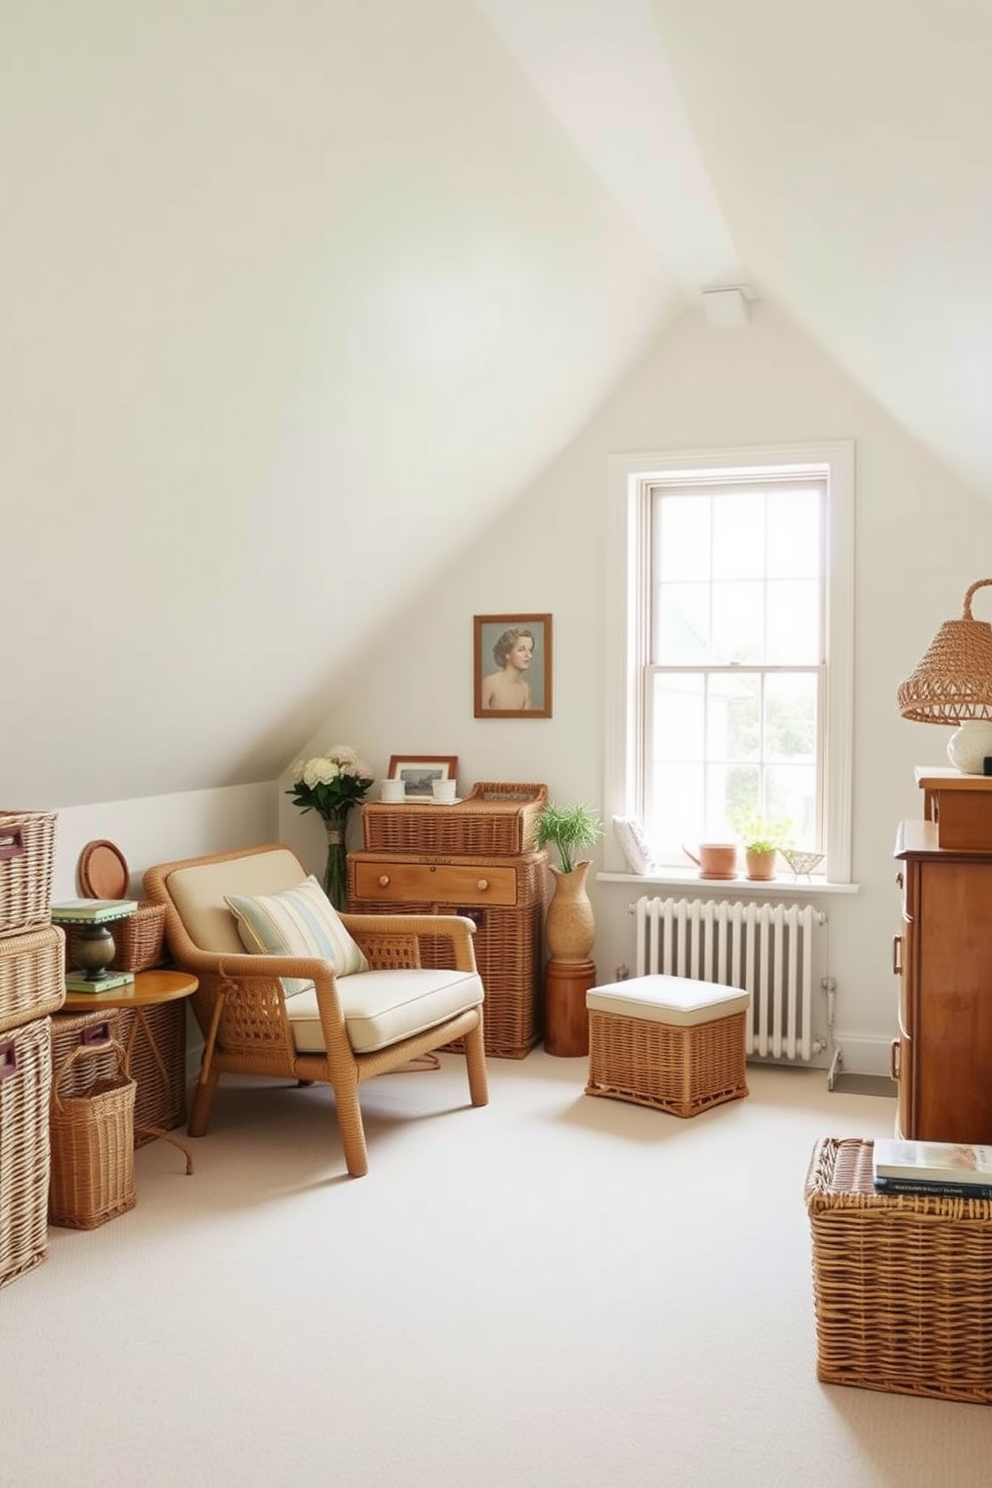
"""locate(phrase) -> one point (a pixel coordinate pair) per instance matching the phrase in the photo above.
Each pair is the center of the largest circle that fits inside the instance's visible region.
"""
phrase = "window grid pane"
(736, 675)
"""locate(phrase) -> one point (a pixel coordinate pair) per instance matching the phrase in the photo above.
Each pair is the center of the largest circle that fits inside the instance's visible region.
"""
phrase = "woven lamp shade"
(953, 682)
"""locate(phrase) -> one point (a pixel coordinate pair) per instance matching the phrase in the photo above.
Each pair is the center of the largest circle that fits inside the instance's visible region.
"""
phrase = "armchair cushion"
(300, 921)
(382, 1007)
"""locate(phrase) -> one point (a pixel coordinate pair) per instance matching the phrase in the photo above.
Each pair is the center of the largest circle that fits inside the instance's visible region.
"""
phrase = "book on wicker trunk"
(901, 1166)
(93, 911)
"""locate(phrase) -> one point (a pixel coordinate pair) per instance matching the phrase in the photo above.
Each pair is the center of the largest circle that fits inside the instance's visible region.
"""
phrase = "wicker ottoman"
(669, 1042)
(902, 1284)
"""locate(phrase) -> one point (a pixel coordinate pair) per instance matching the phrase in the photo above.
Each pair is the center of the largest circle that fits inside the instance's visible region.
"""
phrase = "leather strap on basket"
(11, 842)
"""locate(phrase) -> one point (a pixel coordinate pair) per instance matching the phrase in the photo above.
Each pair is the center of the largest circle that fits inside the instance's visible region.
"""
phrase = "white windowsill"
(784, 883)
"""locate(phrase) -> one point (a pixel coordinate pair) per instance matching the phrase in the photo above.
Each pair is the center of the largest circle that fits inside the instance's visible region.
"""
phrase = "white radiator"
(768, 949)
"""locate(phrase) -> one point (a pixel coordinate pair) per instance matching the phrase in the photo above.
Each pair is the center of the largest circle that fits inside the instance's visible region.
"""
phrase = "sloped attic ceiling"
(846, 151)
(850, 148)
(251, 251)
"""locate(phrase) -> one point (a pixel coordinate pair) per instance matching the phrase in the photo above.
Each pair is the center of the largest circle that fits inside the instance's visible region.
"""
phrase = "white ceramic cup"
(393, 790)
(444, 790)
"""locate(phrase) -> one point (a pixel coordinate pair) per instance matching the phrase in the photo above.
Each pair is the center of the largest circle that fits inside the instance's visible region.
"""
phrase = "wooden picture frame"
(418, 770)
(503, 690)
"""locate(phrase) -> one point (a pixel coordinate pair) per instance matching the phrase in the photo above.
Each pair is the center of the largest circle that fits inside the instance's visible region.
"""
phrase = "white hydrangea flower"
(344, 755)
(320, 771)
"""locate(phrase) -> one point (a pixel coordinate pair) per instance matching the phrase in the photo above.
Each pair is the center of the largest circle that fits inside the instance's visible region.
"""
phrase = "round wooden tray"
(103, 871)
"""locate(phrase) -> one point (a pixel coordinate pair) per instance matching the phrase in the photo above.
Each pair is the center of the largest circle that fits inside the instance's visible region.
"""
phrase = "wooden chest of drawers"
(942, 1059)
(505, 898)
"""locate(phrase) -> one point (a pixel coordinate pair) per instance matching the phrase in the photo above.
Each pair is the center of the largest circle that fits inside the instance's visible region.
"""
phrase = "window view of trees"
(732, 713)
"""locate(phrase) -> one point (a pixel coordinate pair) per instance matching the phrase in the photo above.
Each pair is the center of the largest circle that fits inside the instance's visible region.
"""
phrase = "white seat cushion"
(668, 999)
(382, 1007)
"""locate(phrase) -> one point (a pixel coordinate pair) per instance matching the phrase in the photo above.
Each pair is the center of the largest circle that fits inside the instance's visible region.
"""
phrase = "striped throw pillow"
(297, 922)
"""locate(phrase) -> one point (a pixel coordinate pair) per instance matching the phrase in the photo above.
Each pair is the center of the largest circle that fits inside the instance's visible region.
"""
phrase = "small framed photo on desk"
(419, 772)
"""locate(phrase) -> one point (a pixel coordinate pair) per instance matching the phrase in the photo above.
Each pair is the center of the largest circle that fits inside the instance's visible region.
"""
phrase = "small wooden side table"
(149, 989)
(566, 1020)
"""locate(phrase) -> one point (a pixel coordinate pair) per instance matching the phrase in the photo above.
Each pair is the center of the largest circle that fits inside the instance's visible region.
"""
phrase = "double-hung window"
(730, 672)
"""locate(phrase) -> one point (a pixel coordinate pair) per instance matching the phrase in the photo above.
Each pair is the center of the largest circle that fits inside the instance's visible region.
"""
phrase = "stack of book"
(957, 1169)
(95, 946)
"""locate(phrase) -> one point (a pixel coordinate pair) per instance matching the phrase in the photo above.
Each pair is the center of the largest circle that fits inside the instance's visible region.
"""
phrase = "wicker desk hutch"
(474, 858)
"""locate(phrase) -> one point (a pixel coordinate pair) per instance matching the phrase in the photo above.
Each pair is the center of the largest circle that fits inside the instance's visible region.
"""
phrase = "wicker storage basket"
(92, 1136)
(27, 843)
(160, 1093)
(25, 1088)
(494, 820)
(902, 1284)
(139, 939)
(32, 976)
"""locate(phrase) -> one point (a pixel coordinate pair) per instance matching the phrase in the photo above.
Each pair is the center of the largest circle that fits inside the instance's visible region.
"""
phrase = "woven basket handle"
(11, 842)
(978, 584)
(82, 1051)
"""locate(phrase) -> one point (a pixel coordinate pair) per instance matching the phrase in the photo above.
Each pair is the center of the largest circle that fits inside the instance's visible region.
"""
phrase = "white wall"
(698, 388)
(160, 828)
(269, 275)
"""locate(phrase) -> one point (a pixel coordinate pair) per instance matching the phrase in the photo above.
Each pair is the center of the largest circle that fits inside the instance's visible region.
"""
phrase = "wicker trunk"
(902, 1284)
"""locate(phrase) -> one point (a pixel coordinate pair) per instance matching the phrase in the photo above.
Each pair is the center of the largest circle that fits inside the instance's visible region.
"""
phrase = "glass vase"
(336, 869)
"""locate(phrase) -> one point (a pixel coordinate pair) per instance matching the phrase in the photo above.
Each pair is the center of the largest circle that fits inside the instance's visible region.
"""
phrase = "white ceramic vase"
(970, 745)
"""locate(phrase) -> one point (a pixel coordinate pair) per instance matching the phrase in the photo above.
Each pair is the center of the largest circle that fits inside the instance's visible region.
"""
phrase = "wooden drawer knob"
(482, 885)
(383, 880)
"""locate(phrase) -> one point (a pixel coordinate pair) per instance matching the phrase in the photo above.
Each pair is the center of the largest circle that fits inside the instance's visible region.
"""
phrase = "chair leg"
(203, 1102)
(352, 1129)
(475, 1060)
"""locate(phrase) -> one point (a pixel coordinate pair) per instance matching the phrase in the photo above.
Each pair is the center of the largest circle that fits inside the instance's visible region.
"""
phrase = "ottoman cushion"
(668, 999)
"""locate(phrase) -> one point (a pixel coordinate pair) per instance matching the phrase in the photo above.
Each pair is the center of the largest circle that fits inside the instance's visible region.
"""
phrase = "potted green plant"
(569, 829)
(761, 837)
(569, 926)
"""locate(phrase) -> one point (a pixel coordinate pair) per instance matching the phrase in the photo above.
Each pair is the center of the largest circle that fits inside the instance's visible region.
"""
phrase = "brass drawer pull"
(895, 1050)
(897, 954)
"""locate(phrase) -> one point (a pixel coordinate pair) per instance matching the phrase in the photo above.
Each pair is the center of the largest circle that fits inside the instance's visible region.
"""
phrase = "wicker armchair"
(358, 1026)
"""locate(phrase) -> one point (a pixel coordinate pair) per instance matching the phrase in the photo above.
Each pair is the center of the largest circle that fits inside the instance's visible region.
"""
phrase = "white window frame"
(628, 570)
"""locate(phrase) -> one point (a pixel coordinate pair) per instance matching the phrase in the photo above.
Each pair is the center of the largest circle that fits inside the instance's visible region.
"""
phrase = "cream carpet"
(554, 1290)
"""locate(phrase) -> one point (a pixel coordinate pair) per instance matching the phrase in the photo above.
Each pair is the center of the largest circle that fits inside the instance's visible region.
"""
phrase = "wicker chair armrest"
(250, 968)
(243, 968)
(456, 929)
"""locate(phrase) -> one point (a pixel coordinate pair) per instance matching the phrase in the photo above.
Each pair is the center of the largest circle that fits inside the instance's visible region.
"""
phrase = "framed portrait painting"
(512, 666)
(419, 771)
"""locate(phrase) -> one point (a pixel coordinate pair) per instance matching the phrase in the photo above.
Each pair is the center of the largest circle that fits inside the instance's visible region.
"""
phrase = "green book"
(78, 981)
(93, 911)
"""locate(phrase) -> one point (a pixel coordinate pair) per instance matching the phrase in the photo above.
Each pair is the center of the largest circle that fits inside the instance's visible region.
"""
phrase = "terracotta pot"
(716, 859)
(761, 864)
(569, 926)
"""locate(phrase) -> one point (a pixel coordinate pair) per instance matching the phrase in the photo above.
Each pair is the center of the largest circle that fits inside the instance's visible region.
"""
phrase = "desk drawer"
(435, 883)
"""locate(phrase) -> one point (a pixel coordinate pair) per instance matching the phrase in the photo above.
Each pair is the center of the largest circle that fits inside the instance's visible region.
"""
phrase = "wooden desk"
(149, 989)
